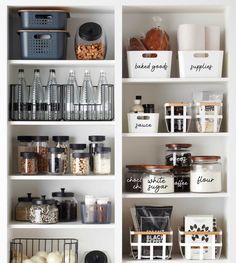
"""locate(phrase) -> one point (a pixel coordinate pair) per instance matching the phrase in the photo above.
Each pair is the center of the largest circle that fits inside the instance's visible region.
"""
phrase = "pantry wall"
(121, 20)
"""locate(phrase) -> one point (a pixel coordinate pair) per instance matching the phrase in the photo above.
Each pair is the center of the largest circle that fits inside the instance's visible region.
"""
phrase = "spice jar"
(182, 179)
(178, 154)
(29, 163)
(102, 160)
(22, 208)
(76, 148)
(25, 144)
(206, 174)
(90, 42)
(63, 142)
(40, 144)
(158, 179)
(80, 163)
(43, 211)
(134, 178)
(56, 160)
(97, 141)
(67, 205)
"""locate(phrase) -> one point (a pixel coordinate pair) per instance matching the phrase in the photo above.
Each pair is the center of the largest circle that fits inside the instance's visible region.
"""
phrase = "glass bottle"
(72, 81)
(48, 92)
(137, 107)
(23, 95)
(100, 96)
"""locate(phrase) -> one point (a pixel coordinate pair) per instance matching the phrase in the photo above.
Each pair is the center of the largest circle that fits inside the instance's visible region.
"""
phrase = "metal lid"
(63, 193)
(206, 158)
(103, 150)
(28, 155)
(56, 150)
(178, 145)
(27, 198)
(76, 146)
(40, 138)
(90, 31)
(25, 138)
(97, 138)
(81, 155)
(96, 256)
(44, 201)
(60, 138)
(149, 167)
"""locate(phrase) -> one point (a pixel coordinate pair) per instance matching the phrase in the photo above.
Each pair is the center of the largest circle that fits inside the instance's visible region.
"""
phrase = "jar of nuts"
(29, 163)
(80, 163)
(74, 148)
(90, 42)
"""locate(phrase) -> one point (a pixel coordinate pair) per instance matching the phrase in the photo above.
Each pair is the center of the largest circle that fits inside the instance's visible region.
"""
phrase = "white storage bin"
(200, 64)
(149, 64)
(143, 122)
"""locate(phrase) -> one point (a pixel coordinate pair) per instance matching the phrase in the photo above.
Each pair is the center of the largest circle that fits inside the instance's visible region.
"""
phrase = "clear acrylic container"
(90, 42)
(81, 163)
(25, 144)
(56, 160)
(76, 148)
(102, 160)
(29, 163)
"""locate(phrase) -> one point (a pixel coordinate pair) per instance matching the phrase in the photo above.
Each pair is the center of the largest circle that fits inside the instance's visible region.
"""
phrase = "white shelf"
(190, 134)
(175, 81)
(62, 123)
(68, 225)
(175, 195)
(62, 177)
(64, 63)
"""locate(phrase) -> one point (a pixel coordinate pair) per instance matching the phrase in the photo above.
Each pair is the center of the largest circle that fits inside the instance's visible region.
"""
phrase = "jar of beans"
(56, 160)
(29, 163)
(76, 148)
(178, 154)
(102, 161)
(80, 163)
(40, 145)
(25, 144)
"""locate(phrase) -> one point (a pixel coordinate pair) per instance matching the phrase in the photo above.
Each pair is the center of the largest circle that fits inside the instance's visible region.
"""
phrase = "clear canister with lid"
(134, 178)
(81, 163)
(66, 204)
(90, 42)
(22, 208)
(40, 144)
(102, 160)
(76, 148)
(206, 174)
(29, 163)
(158, 179)
(96, 141)
(44, 211)
(178, 154)
(63, 142)
(56, 160)
(25, 144)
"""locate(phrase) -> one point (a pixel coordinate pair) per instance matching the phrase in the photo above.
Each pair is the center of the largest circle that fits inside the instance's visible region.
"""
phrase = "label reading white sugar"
(158, 184)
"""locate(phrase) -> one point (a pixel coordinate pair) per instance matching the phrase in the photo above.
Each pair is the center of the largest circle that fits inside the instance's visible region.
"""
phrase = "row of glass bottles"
(56, 102)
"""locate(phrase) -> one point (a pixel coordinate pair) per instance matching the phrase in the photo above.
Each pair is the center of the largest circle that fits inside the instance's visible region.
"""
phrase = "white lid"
(89, 200)
(102, 200)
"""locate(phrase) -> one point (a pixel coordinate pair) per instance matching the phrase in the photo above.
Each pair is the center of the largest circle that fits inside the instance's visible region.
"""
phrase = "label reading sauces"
(141, 125)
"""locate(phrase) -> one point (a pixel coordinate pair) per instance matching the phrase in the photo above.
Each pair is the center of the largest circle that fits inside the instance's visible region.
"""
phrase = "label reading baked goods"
(151, 67)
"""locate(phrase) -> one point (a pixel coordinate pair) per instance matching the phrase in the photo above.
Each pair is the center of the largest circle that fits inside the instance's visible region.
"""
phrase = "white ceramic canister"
(206, 174)
(158, 179)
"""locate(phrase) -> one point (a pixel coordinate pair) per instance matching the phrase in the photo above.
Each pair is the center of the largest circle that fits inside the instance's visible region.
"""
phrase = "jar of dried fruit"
(29, 163)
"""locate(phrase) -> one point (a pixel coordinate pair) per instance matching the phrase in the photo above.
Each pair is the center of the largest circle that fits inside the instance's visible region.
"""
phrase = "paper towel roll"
(212, 37)
(191, 37)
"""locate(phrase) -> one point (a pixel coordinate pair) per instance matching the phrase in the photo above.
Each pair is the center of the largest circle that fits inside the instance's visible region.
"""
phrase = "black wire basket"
(22, 248)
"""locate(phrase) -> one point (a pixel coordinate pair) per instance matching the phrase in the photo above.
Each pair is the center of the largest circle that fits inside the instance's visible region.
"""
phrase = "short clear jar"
(25, 144)
(40, 145)
(28, 163)
(158, 179)
(81, 163)
(56, 160)
(178, 155)
(134, 178)
(206, 174)
(76, 148)
(102, 161)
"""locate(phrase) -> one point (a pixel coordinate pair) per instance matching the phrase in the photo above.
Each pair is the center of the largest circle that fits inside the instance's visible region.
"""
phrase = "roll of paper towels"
(191, 37)
(212, 37)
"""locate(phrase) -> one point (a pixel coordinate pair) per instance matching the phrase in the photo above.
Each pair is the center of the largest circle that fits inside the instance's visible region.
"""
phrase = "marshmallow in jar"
(206, 174)
(158, 179)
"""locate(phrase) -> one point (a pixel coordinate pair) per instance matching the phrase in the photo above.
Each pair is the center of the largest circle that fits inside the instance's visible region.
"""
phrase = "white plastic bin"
(149, 64)
(143, 122)
(200, 64)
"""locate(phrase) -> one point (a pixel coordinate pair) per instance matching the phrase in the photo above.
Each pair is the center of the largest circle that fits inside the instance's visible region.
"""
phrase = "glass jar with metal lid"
(43, 211)
(76, 148)
(178, 154)
(29, 163)
(97, 141)
(158, 179)
(80, 163)
(206, 174)
(102, 160)
(56, 160)
(134, 178)
(25, 144)
(67, 205)
(22, 208)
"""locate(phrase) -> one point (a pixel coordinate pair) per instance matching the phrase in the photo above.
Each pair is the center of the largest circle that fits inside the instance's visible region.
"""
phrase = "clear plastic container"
(206, 174)
(102, 161)
(90, 42)
(67, 205)
(81, 163)
(97, 141)
(40, 144)
(29, 163)
(25, 144)
(134, 178)
(76, 148)
(178, 154)
(56, 160)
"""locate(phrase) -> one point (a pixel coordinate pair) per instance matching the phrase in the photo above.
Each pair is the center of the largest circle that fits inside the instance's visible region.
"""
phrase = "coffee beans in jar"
(80, 163)
(40, 144)
(28, 163)
(178, 154)
(182, 179)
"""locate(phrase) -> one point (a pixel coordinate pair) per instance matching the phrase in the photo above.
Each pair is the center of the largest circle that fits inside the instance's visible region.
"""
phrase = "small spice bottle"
(80, 163)
(29, 163)
(96, 142)
(56, 160)
(102, 161)
(178, 154)
(22, 208)
(25, 144)
(76, 148)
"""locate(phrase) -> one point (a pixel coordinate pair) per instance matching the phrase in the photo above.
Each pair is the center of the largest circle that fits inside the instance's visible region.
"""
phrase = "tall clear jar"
(40, 144)
(96, 141)
(56, 160)
(25, 144)
(29, 163)
(81, 163)
(63, 142)
(178, 154)
(67, 205)
(90, 42)
(206, 174)
(102, 160)
(76, 148)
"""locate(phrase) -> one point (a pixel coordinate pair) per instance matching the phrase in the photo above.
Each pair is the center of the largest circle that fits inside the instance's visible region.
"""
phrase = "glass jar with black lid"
(76, 148)
(56, 160)
(96, 141)
(178, 154)
(67, 205)
(25, 144)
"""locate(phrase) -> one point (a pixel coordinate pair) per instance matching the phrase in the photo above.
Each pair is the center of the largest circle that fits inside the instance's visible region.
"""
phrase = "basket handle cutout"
(43, 16)
(149, 55)
(201, 55)
(143, 117)
(42, 36)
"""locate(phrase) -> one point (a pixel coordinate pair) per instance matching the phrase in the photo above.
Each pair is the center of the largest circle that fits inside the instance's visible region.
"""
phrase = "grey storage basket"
(43, 44)
(43, 19)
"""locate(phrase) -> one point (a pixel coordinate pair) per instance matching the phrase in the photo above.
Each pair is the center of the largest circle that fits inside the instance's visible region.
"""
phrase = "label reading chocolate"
(156, 184)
